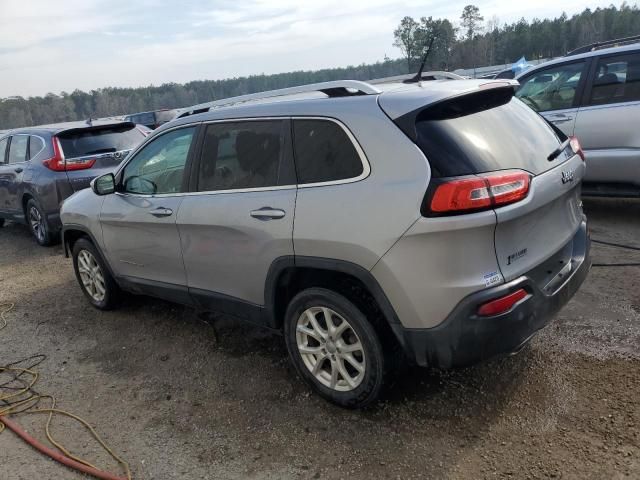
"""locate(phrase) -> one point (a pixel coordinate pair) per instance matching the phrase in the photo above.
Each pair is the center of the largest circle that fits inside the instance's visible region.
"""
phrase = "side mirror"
(104, 184)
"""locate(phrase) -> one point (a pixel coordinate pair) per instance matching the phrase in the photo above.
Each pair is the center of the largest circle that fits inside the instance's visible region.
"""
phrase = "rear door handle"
(267, 213)
(18, 170)
(161, 212)
(560, 118)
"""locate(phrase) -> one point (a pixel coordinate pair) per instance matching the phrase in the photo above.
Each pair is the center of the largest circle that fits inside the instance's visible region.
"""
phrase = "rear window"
(324, 152)
(88, 142)
(478, 133)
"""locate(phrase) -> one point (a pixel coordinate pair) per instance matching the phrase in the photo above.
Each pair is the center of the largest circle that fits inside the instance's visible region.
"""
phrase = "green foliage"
(471, 20)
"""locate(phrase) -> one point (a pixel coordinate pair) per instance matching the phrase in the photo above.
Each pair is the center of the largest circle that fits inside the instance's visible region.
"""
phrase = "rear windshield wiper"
(101, 150)
(556, 153)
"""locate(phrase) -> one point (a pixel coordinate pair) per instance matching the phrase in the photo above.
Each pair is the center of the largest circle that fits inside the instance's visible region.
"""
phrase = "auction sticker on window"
(492, 278)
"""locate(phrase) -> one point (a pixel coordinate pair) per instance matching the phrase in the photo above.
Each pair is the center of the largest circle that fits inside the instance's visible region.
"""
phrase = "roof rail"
(433, 75)
(338, 88)
(609, 43)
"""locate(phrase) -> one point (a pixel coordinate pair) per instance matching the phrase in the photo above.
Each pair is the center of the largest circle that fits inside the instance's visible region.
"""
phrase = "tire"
(93, 276)
(357, 339)
(38, 225)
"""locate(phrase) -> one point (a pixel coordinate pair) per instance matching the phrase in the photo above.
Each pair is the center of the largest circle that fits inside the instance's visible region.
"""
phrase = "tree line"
(468, 43)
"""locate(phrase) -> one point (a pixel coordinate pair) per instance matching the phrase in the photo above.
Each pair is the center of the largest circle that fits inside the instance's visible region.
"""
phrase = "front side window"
(552, 88)
(240, 155)
(617, 79)
(3, 149)
(159, 166)
(324, 152)
(18, 148)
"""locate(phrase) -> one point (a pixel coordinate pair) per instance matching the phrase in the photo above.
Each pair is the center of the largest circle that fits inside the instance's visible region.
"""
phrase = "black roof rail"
(617, 42)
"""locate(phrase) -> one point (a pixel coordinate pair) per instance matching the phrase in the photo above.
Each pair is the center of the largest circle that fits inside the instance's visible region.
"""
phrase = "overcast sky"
(54, 46)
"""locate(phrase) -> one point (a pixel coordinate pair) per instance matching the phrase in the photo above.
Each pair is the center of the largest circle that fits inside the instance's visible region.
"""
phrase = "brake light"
(58, 163)
(480, 192)
(55, 163)
(502, 304)
(576, 147)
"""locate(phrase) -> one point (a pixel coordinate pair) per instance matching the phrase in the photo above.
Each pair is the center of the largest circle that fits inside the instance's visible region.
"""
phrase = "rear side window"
(18, 148)
(324, 152)
(250, 154)
(3, 148)
(80, 143)
(617, 79)
(476, 135)
(35, 146)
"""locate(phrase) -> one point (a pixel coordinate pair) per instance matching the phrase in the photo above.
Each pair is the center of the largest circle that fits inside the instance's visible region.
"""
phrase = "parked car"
(594, 93)
(152, 119)
(41, 166)
(441, 219)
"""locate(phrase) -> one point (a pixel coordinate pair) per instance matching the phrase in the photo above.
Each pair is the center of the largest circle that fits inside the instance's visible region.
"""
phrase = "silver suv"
(439, 220)
(594, 93)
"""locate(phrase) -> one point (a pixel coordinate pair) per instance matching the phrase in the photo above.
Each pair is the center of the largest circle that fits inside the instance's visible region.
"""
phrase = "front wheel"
(334, 348)
(94, 278)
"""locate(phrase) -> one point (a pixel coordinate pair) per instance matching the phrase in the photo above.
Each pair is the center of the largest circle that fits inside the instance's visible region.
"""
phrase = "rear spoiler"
(95, 128)
(487, 95)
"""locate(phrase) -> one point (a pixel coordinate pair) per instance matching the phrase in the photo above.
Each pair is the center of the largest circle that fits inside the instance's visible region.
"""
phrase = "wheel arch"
(71, 233)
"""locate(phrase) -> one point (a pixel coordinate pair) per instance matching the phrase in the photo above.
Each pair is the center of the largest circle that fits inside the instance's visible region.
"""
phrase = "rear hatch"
(488, 150)
(92, 150)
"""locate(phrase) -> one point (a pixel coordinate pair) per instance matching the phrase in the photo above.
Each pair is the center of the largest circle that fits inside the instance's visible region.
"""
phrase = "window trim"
(593, 70)
(3, 160)
(187, 165)
(26, 153)
(579, 97)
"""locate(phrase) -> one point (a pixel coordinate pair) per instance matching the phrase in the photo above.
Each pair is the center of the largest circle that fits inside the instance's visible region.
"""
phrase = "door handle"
(560, 118)
(267, 213)
(161, 212)
(18, 170)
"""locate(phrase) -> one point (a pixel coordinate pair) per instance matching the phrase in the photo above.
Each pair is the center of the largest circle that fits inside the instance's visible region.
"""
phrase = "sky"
(54, 46)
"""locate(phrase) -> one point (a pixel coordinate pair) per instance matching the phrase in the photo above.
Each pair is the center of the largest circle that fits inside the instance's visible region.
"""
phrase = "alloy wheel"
(330, 349)
(91, 275)
(37, 224)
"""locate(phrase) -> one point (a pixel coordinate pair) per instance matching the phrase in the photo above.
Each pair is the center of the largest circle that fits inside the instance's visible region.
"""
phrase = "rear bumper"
(465, 338)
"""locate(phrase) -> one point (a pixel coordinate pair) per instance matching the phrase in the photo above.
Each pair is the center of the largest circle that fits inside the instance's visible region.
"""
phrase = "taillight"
(481, 192)
(502, 304)
(58, 163)
(55, 163)
(576, 147)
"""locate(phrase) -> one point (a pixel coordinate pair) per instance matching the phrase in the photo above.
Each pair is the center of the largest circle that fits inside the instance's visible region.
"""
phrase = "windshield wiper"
(556, 153)
(101, 150)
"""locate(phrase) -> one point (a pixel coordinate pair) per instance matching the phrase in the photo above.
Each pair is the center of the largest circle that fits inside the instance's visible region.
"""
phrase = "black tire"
(40, 230)
(372, 381)
(112, 292)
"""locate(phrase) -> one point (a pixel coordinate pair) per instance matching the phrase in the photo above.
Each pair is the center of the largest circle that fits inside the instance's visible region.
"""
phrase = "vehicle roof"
(64, 126)
(572, 58)
(398, 99)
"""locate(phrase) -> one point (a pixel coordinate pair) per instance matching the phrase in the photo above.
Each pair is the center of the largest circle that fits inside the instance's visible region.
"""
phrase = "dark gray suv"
(41, 166)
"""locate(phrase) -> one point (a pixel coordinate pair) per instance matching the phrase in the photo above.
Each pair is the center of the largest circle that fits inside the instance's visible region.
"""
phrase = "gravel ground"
(181, 399)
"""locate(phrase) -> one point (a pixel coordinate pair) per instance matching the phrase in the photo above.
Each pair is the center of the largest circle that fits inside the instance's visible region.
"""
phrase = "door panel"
(141, 243)
(229, 240)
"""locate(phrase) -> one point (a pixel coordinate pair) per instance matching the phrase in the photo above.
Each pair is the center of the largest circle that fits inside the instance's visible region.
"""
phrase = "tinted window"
(3, 148)
(617, 79)
(503, 136)
(80, 143)
(243, 155)
(324, 152)
(142, 118)
(18, 148)
(553, 88)
(35, 146)
(159, 166)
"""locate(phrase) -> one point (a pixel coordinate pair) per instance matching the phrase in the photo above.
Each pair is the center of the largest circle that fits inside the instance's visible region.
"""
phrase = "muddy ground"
(180, 399)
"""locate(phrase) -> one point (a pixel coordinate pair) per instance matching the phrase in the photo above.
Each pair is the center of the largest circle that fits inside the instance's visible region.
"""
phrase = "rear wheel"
(334, 348)
(94, 278)
(38, 223)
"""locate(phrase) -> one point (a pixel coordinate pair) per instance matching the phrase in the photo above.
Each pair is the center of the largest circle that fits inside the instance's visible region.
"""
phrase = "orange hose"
(58, 457)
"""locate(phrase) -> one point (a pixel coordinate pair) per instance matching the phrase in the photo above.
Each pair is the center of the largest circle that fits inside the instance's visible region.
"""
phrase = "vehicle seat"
(605, 88)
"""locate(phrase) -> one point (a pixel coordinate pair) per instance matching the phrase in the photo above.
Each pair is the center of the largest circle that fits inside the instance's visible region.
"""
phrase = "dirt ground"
(180, 399)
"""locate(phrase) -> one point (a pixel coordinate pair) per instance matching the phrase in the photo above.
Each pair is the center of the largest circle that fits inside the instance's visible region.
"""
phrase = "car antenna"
(418, 76)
